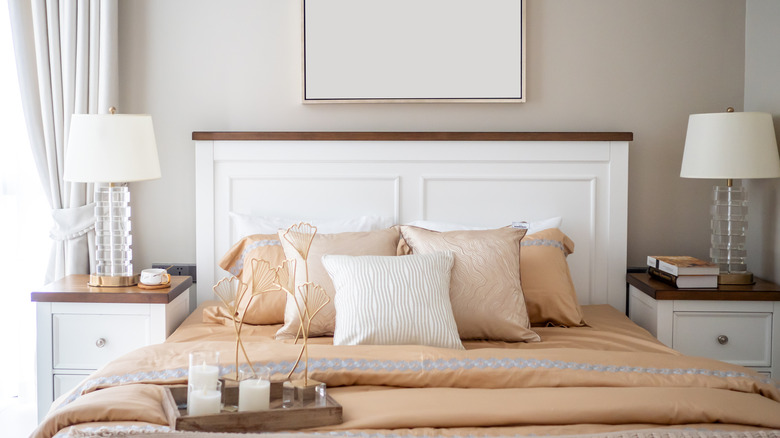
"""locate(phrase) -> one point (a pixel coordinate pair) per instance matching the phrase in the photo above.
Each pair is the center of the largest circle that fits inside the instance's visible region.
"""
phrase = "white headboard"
(488, 179)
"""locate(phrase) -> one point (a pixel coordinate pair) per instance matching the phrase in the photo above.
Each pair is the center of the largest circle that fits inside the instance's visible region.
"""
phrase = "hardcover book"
(685, 281)
(683, 265)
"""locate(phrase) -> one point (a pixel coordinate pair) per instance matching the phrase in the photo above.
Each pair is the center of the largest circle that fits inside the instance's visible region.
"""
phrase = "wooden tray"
(229, 420)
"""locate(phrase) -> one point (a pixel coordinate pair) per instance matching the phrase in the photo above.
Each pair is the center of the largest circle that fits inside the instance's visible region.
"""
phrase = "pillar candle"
(204, 401)
(254, 395)
(203, 376)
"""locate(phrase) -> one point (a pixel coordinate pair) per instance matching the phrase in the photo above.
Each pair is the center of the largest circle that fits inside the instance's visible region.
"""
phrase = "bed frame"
(488, 179)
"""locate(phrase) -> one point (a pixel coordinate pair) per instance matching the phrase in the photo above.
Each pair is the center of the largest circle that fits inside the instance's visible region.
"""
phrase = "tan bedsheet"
(608, 330)
(610, 376)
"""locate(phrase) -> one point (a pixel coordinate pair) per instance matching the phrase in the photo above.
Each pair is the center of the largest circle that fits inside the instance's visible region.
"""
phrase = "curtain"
(66, 55)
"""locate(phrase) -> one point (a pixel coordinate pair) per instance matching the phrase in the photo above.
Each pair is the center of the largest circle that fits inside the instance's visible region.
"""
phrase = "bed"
(578, 367)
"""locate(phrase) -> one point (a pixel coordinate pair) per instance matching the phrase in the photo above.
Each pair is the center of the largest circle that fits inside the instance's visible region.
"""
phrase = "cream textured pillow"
(382, 242)
(393, 300)
(487, 299)
(547, 284)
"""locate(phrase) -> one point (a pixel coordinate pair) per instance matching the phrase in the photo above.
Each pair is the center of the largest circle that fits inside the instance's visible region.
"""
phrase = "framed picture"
(413, 51)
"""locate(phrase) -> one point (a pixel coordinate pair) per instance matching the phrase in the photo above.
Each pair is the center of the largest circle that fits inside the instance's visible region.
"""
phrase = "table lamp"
(113, 149)
(729, 146)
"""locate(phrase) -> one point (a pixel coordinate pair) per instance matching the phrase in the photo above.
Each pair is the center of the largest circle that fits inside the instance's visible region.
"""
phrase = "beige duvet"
(609, 377)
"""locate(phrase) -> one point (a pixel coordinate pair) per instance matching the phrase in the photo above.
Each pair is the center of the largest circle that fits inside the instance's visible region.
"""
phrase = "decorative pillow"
(247, 225)
(264, 246)
(487, 299)
(393, 300)
(547, 284)
(383, 242)
(267, 308)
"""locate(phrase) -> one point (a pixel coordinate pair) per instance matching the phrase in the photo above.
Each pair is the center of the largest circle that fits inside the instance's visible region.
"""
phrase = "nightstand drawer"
(63, 383)
(743, 338)
(87, 341)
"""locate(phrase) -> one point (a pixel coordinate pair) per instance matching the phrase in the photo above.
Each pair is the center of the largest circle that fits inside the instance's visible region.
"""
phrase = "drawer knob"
(723, 339)
(100, 343)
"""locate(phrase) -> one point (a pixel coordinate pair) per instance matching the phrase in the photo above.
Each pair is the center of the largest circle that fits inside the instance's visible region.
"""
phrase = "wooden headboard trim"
(414, 136)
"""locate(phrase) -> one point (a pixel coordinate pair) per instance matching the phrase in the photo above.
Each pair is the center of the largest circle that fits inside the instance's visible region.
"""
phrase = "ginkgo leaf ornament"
(263, 277)
(229, 291)
(300, 236)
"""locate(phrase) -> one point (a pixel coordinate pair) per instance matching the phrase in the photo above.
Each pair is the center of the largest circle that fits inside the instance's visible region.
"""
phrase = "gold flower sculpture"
(231, 291)
(309, 299)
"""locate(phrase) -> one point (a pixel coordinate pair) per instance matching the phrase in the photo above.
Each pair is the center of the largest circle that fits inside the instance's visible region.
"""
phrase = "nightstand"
(736, 324)
(80, 328)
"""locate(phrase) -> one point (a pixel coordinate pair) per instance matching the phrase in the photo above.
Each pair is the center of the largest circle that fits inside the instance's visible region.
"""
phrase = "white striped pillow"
(387, 300)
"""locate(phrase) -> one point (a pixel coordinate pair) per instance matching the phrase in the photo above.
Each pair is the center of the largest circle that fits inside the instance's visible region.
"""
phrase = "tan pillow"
(547, 284)
(487, 299)
(267, 308)
(382, 242)
(139, 402)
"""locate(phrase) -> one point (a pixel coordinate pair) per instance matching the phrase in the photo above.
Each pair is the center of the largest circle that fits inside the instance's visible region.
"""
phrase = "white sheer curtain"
(24, 237)
(66, 56)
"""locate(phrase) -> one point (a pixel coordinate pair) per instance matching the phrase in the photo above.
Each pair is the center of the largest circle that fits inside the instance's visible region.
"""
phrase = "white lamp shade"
(730, 146)
(111, 148)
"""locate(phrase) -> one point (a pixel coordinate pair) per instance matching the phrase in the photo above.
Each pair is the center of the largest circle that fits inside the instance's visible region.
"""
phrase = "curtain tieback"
(71, 223)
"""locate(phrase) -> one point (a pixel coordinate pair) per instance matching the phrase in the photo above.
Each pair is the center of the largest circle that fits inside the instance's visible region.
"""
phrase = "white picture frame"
(360, 51)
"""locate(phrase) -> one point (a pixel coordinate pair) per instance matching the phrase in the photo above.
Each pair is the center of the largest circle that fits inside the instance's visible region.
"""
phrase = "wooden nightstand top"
(761, 290)
(74, 289)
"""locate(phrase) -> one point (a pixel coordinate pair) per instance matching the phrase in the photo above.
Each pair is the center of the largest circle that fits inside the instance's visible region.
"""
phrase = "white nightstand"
(736, 324)
(80, 328)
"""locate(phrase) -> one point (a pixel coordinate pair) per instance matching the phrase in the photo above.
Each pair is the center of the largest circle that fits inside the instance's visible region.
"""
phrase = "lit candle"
(203, 401)
(204, 369)
(253, 395)
(203, 376)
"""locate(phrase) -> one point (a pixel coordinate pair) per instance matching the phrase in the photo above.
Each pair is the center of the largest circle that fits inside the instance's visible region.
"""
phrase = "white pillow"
(246, 225)
(544, 224)
(386, 300)
(533, 226)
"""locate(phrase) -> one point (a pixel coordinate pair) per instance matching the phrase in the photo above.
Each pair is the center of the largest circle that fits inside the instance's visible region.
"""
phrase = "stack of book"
(685, 272)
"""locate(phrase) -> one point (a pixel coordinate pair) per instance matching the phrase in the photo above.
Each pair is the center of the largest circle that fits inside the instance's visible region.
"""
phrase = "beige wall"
(762, 93)
(593, 65)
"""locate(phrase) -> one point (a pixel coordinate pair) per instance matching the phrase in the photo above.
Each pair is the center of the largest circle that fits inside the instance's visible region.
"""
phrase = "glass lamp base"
(728, 241)
(735, 278)
(113, 280)
(113, 255)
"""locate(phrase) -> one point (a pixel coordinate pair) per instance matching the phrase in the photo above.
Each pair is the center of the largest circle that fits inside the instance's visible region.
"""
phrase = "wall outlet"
(179, 269)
